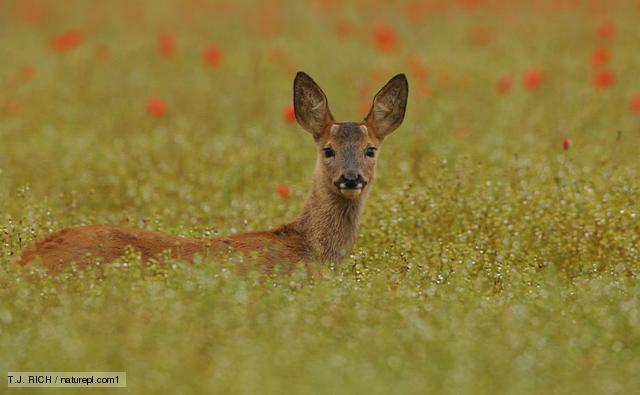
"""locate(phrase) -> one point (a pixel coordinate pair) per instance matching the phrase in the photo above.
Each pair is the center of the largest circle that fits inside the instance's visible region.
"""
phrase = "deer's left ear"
(387, 111)
(310, 105)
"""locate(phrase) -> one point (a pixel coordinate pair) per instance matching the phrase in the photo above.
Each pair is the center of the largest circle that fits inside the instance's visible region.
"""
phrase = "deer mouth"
(350, 190)
(350, 193)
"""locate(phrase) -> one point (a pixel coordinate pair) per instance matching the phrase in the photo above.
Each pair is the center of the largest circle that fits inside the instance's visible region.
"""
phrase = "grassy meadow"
(499, 251)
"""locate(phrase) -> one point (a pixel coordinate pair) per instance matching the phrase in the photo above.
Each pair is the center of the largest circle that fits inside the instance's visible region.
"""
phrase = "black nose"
(350, 181)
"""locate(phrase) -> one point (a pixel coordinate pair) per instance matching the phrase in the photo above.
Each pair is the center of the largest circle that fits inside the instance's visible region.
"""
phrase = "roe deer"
(324, 231)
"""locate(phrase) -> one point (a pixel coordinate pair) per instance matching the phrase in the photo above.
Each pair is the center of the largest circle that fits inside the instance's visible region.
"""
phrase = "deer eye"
(370, 152)
(328, 152)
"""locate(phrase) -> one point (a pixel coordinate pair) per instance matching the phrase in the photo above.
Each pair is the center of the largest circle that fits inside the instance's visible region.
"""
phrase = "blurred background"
(498, 252)
(190, 99)
(179, 99)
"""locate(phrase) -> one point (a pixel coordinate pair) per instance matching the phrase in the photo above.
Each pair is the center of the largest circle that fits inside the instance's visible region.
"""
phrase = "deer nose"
(350, 181)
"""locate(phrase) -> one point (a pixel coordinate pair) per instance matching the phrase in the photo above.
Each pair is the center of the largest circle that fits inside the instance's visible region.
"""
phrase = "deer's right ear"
(389, 105)
(311, 105)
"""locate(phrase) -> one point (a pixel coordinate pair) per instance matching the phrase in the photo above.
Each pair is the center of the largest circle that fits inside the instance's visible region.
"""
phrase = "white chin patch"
(351, 192)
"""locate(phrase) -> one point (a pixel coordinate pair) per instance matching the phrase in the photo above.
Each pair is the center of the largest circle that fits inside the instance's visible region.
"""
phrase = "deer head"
(348, 151)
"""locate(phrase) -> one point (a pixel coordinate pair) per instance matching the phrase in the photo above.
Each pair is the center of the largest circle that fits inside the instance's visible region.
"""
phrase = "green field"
(491, 258)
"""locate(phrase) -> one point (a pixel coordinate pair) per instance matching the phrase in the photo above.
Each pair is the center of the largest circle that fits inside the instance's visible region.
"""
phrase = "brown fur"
(86, 244)
(325, 230)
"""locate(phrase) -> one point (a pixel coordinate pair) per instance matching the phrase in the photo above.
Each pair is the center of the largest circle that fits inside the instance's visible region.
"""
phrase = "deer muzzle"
(350, 186)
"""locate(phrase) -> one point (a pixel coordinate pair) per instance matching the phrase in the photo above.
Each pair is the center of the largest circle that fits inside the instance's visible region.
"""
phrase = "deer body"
(326, 228)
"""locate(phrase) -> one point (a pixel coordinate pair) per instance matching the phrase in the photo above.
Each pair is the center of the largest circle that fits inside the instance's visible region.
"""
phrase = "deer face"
(347, 158)
(347, 151)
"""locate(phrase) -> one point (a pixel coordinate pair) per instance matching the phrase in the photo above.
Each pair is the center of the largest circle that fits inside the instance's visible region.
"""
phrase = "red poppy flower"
(422, 89)
(635, 103)
(566, 143)
(102, 52)
(462, 132)
(603, 79)
(212, 55)
(282, 190)
(418, 69)
(276, 55)
(15, 107)
(607, 29)
(32, 12)
(365, 89)
(344, 29)
(364, 106)
(385, 37)
(416, 11)
(289, 113)
(600, 57)
(27, 72)
(478, 37)
(504, 84)
(470, 4)
(327, 7)
(532, 79)
(156, 107)
(66, 40)
(166, 44)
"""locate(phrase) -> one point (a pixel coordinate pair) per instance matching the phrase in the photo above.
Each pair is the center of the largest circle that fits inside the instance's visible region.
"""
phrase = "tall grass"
(490, 259)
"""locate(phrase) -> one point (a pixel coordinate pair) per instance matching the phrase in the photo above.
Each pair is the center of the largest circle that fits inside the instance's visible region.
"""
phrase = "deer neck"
(329, 222)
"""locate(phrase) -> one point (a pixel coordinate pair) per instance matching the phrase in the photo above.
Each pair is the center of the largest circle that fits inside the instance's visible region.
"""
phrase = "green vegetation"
(490, 259)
